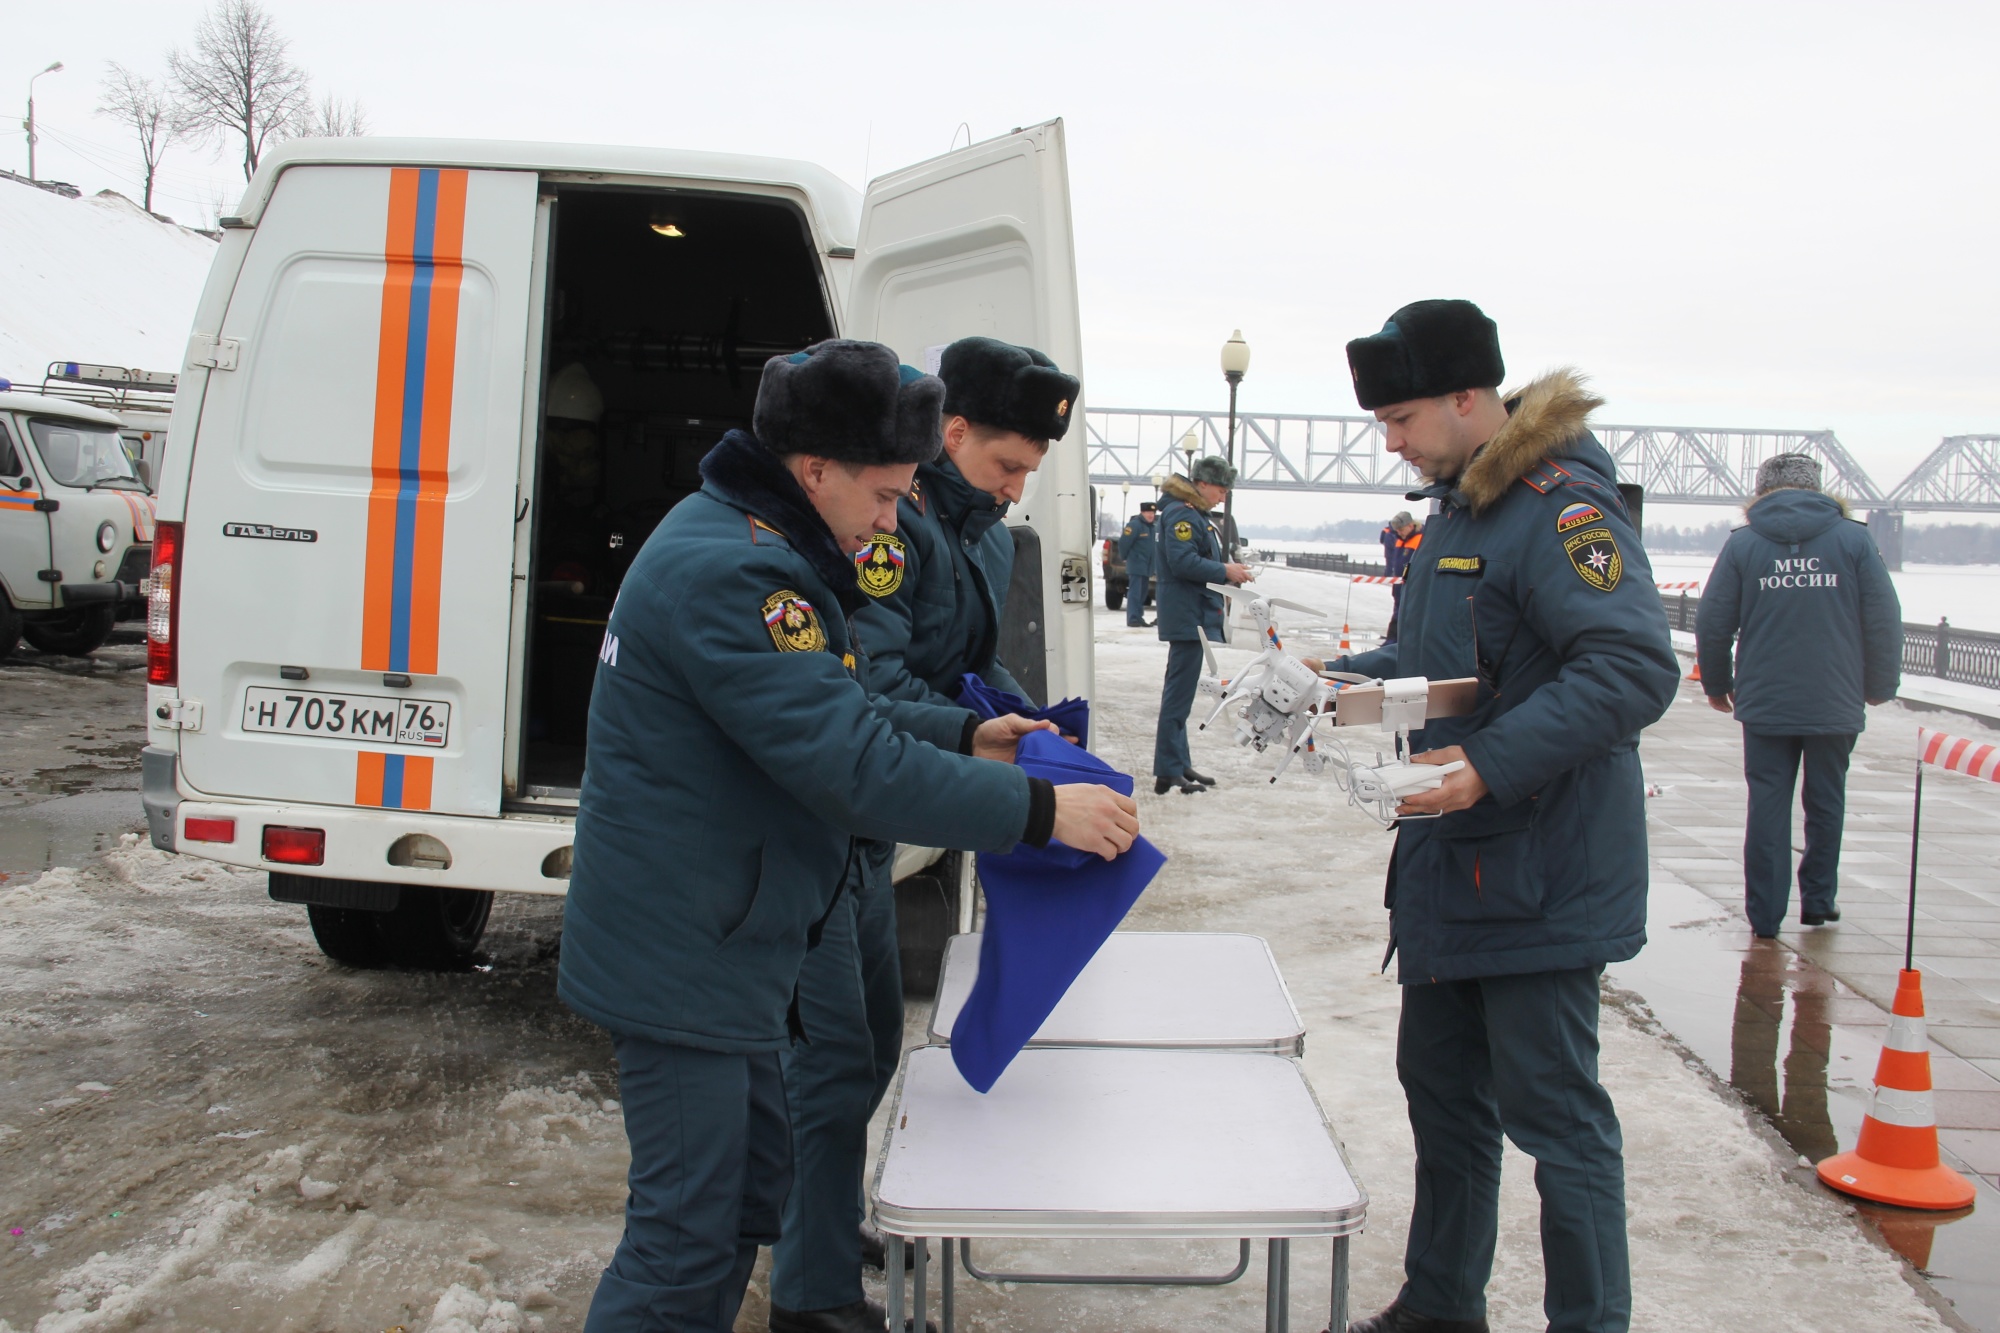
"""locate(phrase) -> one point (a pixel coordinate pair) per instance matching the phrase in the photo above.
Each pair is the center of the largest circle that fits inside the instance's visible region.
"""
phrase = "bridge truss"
(1675, 464)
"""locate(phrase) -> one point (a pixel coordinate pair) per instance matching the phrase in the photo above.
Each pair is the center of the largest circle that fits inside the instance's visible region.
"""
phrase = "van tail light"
(163, 608)
(210, 830)
(295, 846)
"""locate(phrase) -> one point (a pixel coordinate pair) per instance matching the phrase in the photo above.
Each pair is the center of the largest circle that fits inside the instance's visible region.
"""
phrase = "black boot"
(1826, 918)
(1161, 786)
(1399, 1319)
(875, 1250)
(864, 1316)
(1203, 778)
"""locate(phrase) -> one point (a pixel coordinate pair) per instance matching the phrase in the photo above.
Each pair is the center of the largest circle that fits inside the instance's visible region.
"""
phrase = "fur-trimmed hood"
(1545, 417)
(1180, 488)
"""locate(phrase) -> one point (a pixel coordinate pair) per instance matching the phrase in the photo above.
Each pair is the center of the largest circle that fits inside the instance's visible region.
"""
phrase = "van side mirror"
(144, 466)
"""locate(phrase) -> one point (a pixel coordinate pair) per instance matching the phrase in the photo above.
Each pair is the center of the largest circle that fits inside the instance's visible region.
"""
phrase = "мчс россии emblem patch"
(793, 623)
(878, 566)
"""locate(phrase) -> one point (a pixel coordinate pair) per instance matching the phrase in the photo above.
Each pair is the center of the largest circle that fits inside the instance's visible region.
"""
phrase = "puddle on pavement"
(1801, 1047)
(66, 831)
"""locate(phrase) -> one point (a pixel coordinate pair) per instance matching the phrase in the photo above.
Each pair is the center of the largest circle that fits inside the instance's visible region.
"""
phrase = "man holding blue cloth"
(734, 759)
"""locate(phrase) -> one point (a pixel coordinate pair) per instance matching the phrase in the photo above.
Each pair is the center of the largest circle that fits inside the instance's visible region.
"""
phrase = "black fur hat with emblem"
(1426, 350)
(1012, 388)
(853, 402)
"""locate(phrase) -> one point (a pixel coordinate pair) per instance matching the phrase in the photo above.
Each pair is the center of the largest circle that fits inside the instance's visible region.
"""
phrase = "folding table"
(1106, 1143)
(1158, 990)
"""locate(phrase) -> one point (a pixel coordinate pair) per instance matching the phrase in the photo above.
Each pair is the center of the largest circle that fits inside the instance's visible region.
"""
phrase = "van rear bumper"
(503, 853)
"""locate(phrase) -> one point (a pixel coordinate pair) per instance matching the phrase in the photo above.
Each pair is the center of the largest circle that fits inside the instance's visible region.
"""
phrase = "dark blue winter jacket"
(733, 758)
(937, 590)
(1530, 578)
(1135, 546)
(1803, 596)
(1189, 548)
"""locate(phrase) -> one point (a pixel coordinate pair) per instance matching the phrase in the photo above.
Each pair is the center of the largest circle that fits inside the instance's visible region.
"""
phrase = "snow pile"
(93, 280)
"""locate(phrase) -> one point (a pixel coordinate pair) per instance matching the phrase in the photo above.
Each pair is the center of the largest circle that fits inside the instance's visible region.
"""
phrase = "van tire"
(430, 930)
(10, 628)
(1114, 595)
(76, 632)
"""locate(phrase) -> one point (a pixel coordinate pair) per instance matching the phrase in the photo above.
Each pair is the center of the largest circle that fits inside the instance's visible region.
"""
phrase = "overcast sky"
(1745, 215)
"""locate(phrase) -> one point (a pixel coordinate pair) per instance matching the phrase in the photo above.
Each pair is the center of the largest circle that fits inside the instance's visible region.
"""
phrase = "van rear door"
(978, 242)
(346, 582)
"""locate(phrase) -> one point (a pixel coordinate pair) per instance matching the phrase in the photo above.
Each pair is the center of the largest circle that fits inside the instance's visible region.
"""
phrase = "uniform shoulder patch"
(1128, 529)
(1594, 555)
(793, 623)
(917, 496)
(878, 566)
(1184, 531)
(1576, 515)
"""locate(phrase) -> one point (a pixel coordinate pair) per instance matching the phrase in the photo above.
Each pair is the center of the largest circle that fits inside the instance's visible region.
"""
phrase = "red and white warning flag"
(1677, 587)
(1371, 578)
(1978, 759)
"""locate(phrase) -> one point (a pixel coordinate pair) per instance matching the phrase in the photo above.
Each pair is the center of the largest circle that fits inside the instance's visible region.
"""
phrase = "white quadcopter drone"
(1283, 701)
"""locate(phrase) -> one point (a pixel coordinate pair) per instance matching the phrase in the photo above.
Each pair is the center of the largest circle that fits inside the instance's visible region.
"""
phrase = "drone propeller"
(1297, 606)
(1231, 590)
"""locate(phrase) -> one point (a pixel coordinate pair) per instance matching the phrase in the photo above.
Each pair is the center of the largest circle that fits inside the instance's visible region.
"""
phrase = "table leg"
(1273, 1285)
(893, 1271)
(919, 1298)
(945, 1283)
(1285, 1286)
(1338, 1323)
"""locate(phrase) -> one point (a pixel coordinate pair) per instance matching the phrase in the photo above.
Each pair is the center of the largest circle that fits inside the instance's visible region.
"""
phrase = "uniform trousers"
(711, 1163)
(851, 1005)
(1513, 1055)
(1136, 588)
(1171, 756)
(1771, 768)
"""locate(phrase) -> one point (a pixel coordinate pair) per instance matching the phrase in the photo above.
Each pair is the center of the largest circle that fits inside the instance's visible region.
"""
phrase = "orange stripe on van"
(417, 781)
(391, 357)
(368, 778)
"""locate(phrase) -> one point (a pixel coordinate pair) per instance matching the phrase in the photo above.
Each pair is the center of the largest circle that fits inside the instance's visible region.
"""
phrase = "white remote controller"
(1400, 779)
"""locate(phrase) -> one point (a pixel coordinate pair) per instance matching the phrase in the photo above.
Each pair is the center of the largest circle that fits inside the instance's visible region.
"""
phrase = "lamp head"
(1235, 357)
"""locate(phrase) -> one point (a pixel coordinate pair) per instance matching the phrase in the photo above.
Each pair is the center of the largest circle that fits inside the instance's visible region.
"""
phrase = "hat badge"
(1062, 408)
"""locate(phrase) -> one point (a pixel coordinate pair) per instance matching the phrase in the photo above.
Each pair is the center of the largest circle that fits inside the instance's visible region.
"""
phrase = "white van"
(76, 525)
(141, 400)
(437, 396)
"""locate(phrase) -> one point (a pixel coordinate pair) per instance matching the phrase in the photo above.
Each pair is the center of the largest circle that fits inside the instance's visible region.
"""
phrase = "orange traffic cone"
(1345, 646)
(1694, 673)
(1896, 1160)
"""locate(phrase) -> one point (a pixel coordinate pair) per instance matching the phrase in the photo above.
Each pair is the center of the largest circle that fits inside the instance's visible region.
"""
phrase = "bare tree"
(145, 107)
(238, 80)
(331, 118)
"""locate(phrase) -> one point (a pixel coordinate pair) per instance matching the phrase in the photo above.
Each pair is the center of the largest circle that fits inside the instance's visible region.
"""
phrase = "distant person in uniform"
(733, 760)
(1505, 908)
(1135, 548)
(1802, 595)
(932, 591)
(1400, 541)
(1191, 555)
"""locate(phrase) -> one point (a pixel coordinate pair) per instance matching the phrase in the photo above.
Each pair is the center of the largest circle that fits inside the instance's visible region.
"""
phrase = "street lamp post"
(1235, 364)
(55, 67)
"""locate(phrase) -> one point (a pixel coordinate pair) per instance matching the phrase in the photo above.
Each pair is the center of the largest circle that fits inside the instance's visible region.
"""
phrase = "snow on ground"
(93, 280)
(209, 1126)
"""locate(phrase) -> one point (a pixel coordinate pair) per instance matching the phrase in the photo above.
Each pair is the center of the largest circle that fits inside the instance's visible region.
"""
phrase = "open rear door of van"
(349, 541)
(978, 242)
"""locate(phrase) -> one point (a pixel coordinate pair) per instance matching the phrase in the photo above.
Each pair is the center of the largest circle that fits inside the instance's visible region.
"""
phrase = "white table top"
(1106, 1143)
(1159, 990)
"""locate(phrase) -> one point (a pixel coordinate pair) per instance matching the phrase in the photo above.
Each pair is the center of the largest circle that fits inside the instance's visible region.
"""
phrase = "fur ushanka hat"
(853, 402)
(1426, 350)
(1213, 469)
(1007, 387)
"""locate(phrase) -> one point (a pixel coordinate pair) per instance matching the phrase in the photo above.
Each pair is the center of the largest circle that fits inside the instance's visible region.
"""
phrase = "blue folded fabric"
(1072, 716)
(1048, 911)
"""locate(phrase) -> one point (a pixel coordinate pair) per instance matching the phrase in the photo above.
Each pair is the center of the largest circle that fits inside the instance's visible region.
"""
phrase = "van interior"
(663, 306)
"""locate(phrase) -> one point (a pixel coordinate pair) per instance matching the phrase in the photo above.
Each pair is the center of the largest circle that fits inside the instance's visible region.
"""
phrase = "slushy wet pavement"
(1795, 1025)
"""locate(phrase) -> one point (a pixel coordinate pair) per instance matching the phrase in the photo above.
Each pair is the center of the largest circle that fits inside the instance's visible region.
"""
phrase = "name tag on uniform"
(1475, 565)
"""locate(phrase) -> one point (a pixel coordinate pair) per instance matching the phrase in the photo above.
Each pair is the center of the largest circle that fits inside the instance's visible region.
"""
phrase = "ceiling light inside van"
(666, 224)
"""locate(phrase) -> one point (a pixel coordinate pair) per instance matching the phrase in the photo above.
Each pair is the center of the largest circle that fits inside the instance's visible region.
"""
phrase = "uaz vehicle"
(76, 525)
(437, 395)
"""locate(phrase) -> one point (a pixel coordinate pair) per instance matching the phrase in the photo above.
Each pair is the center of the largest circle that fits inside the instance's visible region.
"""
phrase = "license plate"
(375, 719)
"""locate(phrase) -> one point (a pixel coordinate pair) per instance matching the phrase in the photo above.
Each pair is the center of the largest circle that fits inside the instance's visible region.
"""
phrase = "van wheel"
(430, 930)
(76, 632)
(10, 628)
(1114, 595)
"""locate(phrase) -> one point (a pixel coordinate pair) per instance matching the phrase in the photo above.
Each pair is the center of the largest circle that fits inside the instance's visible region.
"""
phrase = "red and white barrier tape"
(1677, 587)
(1978, 759)
(1371, 578)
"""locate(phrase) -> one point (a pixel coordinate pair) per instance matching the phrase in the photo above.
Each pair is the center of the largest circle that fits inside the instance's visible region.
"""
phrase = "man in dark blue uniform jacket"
(1135, 548)
(931, 592)
(733, 759)
(1191, 555)
(1818, 631)
(1507, 906)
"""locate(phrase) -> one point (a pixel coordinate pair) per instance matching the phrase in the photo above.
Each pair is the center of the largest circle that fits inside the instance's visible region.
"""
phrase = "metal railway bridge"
(1675, 464)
